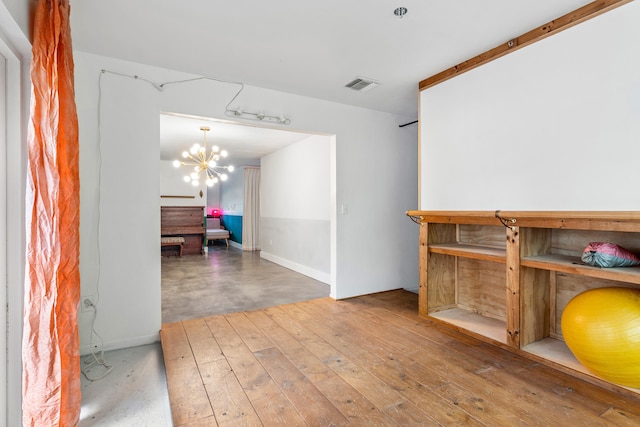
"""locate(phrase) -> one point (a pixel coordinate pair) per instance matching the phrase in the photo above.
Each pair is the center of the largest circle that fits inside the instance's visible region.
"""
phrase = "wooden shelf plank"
(574, 220)
(557, 351)
(484, 253)
(573, 265)
(455, 217)
(486, 326)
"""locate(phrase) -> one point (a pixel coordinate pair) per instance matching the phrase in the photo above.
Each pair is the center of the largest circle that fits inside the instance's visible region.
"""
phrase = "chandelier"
(204, 163)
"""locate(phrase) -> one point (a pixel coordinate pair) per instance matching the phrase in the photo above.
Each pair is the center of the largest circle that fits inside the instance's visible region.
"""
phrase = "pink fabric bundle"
(603, 254)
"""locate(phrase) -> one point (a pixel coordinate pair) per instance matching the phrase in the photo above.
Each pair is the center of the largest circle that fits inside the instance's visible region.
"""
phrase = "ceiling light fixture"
(400, 12)
(201, 162)
(259, 116)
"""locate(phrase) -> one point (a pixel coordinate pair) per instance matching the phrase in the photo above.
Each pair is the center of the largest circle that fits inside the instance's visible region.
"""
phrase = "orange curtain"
(50, 348)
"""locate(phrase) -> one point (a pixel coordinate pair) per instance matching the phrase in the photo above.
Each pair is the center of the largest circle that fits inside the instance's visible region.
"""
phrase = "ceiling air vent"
(362, 84)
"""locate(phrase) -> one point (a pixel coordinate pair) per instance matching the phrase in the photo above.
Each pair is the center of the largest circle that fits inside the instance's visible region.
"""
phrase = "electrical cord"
(226, 107)
(92, 360)
(236, 113)
(160, 86)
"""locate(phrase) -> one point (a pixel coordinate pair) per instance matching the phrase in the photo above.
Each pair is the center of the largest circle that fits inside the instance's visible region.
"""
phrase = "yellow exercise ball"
(602, 329)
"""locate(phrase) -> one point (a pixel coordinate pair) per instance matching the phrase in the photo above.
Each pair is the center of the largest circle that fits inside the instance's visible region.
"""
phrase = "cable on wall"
(92, 360)
(237, 112)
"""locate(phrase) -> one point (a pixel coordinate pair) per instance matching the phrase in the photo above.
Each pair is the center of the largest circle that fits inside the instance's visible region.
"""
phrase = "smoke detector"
(362, 84)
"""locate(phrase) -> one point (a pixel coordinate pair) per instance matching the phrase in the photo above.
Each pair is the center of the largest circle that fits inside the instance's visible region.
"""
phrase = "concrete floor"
(225, 280)
(133, 394)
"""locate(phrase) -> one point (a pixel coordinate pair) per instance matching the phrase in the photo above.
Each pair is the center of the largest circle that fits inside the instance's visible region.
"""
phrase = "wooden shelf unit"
(505, 277)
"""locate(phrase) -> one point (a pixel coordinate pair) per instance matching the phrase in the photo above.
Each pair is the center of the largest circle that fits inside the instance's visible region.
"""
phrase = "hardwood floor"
(368, 361)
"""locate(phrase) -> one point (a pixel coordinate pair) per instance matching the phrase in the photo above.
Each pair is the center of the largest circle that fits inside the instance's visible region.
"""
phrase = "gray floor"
(133, 394)
(224, 280)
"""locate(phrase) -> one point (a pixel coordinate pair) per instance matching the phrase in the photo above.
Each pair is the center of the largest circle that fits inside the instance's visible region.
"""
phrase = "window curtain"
(50, 347)
(251, 210)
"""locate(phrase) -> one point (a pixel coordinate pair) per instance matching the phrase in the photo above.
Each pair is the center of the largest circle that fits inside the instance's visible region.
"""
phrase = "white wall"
(232, 193)
(375, 174)
(295, 224)
(295, 180)
(213, 198)
(552, 126)
(20, 11)
(174, 191)
(120, 208)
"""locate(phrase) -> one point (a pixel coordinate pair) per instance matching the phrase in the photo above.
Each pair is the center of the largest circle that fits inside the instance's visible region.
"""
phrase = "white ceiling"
(244, 143)
(309, 48)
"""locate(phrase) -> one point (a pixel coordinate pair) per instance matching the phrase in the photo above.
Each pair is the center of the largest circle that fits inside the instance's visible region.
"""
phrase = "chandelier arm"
(193, 159)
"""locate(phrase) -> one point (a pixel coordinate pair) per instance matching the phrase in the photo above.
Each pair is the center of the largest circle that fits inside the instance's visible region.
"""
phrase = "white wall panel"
(552, 126)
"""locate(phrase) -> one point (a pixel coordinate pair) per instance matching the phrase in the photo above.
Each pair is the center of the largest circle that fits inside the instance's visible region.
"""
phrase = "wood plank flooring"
(367, 361)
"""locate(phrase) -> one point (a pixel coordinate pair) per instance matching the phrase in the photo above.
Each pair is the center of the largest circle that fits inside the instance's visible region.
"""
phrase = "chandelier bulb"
(210, 183)
(187, 178)
(185, 154)
(230, 168)
(212, 163)
(223, 177)
(224, 153)
(176, 163)
(215, 148)
(195, 183)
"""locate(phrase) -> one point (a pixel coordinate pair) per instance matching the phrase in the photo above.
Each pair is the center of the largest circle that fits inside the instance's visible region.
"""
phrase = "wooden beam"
(582, 14)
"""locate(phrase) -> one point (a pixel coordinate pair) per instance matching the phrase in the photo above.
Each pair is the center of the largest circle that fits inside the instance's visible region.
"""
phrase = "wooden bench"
(172, 241)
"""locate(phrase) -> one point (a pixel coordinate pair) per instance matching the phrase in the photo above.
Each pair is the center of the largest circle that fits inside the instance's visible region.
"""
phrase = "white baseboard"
(235, 244)
(320, 276)
(118, 344)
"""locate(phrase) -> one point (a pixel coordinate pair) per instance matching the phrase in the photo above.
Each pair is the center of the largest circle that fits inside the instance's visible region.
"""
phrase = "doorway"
(299, 230)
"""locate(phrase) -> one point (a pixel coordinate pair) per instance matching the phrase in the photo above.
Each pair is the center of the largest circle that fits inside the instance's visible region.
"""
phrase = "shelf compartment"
(466, 320)
(573, 265)
(485, 253)
(556, 351)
